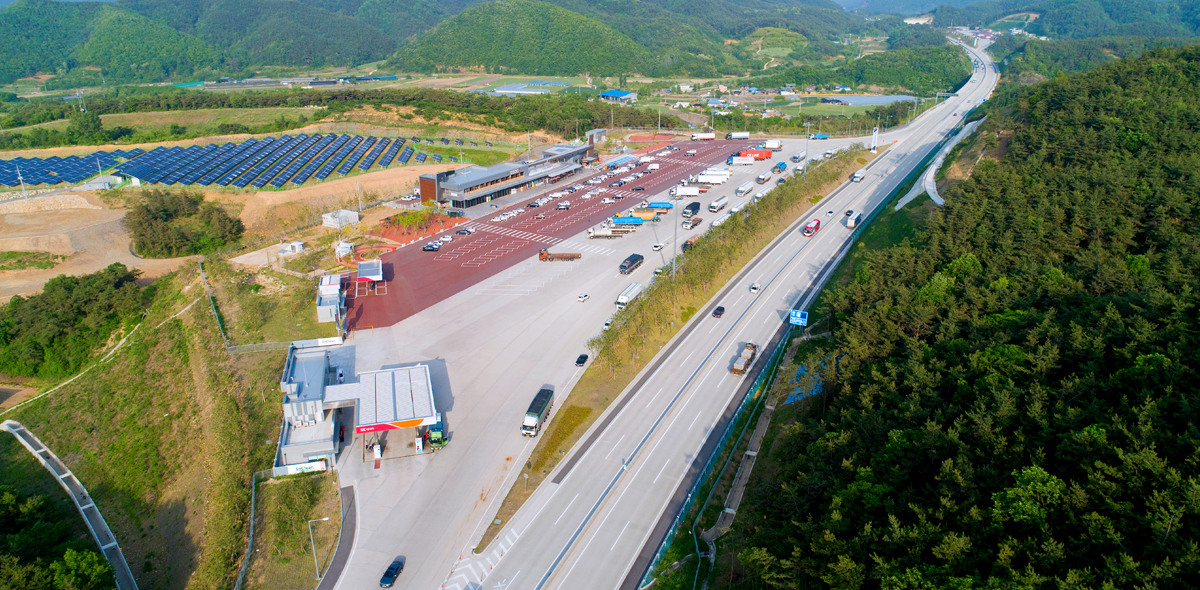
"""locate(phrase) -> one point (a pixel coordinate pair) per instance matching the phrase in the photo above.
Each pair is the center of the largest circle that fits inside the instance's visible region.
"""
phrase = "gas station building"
(315, 390)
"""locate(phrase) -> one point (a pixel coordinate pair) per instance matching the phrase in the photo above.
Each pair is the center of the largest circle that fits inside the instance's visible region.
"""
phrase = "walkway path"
(91, 514)
(928, 182)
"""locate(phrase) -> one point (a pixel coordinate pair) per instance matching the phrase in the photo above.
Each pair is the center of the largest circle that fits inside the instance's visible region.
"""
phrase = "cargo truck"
(780, 167)
(737, 207)
(629, 294)
(818, 136)
(718, 221)
(712, 179)
(538, 412)
(687, 191)
(740, 161)
(743, 362)
(692, 222)
(608, 232)
(762, 179)
(630, 220)
(661, 205)
(745, 189)
(631, 264)
(718, 204)
(645, 214)
(546, 256)
(853, 219)
(737, 135)
(757, 154)
(773, 145)
(799, 157)
(691, 209)
(703, 136)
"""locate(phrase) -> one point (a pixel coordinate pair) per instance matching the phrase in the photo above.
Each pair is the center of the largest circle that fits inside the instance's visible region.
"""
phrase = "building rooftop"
(389, 398)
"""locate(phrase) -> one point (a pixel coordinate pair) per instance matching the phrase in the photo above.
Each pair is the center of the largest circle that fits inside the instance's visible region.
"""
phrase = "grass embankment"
(265, 306)
(165, 434)
(200, 120)
(283, 557)
(643, 328)
(24, 260)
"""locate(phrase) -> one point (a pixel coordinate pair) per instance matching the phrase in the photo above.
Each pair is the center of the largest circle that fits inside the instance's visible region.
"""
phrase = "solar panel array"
(265, 162)
(56, 170)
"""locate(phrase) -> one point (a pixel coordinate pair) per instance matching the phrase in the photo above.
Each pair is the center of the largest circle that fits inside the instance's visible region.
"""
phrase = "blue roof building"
(618, 96)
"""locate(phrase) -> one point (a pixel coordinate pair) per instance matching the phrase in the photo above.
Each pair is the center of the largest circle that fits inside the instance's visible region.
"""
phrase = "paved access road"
(588, 525)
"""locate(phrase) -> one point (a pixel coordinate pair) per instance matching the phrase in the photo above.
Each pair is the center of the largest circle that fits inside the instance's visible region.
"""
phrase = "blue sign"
(799, 318)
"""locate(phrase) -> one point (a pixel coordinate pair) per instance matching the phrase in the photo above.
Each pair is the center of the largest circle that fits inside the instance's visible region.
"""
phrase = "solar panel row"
(254, 162)
(57, 170)
(421, 157)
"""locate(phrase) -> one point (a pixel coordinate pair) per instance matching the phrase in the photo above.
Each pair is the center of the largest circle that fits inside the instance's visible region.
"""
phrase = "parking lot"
(415, 279)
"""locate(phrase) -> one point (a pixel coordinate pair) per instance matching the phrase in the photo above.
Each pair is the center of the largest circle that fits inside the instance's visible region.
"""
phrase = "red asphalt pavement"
(414, 279)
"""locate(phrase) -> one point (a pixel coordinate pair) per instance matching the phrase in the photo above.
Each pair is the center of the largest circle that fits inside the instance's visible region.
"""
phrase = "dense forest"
(165, 224)
(52, 334)
(1020, 55)
(1009, 399)
(523, 36)
(40, 549)
(1079, 19)
(922, 70)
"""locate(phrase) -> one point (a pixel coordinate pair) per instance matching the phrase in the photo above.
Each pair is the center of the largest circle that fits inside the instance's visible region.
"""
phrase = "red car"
(812, 228)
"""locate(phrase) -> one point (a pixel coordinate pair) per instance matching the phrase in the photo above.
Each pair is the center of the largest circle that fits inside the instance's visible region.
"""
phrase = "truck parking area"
(415, 279)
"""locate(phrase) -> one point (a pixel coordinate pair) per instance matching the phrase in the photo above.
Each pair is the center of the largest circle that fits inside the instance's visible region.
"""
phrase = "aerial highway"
(493, 343)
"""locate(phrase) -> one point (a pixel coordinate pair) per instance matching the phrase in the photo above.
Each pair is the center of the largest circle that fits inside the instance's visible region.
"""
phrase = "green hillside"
(55, 29)
(129, 47)
(1008, 396)
(1077, 19)
(526, 36)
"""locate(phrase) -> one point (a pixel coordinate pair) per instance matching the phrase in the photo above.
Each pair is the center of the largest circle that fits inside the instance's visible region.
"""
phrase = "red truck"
(758, 154)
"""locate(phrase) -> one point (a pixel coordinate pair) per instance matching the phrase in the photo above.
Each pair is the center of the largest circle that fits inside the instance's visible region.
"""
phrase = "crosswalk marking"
(516, 233)
(466, 576)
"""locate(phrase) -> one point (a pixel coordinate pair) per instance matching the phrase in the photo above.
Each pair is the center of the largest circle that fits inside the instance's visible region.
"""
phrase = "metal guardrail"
(101, 533)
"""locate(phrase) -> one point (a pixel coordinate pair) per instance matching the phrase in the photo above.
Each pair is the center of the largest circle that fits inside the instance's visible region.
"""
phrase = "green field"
(158, 121)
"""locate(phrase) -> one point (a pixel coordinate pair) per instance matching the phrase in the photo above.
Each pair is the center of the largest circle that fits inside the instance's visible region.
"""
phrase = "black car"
(718, 312)
(393, 572)
(639, 188)
(431, 247)
(463, 232)
(581, 361)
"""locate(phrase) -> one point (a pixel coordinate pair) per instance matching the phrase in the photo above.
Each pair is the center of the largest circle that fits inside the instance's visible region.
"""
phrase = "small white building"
(342, 249)
(291, 248)
(330, 299)
(339, 219)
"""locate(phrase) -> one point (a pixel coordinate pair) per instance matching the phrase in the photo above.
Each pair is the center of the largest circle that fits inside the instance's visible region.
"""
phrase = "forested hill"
(1010, 398)
(1077, 19)
(523, 36)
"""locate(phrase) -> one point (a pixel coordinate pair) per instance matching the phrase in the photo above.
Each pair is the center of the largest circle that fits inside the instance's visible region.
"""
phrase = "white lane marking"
(694, 419)
(660, 471)
(715, 324)
(618, 539)
(564, 513)
(614, 447)
(655, 395)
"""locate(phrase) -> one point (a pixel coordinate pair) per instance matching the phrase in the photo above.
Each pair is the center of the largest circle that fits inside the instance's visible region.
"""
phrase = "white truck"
(854, 219)
(653, 167)
(685, 191)
(718, 221)
(745, 189)
(799, 157)
(773, 145)
(609, 232)
(690, 153)
(737, 135)
(718, 204)
(629, 294)
(859, 176)
(703, 136)
(740, 161)
(712, 179)
(737, 207)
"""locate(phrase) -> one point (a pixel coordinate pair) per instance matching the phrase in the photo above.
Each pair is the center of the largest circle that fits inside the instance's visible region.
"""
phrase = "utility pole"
(807, 156)
(359, 187)
(22, 181)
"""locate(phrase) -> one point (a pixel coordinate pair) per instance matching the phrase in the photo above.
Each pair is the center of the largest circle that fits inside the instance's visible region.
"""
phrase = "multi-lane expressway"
(491, 346)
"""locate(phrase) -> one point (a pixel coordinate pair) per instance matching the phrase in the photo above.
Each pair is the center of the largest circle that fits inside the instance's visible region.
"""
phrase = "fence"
(258, 347)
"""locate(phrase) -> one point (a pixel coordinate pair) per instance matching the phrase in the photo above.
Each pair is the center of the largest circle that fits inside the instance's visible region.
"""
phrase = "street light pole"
(316, 567)
(807, 156)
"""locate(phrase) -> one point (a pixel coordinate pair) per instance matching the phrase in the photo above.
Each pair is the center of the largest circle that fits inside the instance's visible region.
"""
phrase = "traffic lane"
(433, 520)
